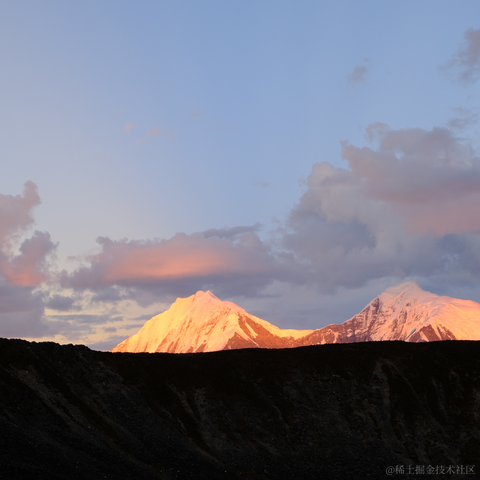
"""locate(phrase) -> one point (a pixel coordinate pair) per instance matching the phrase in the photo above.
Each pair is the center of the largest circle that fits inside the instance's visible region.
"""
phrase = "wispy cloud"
(262, 184)
(156, 132)
(128, 127)
(466, 62)
(153, 132)
(463, 119)
(359, 73)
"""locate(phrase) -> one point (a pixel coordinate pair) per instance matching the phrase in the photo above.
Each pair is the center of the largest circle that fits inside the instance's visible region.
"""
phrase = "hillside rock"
(329, 411)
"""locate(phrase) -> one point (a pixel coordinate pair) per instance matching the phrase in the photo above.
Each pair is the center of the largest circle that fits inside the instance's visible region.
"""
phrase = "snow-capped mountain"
(405, 312)
(203, 323)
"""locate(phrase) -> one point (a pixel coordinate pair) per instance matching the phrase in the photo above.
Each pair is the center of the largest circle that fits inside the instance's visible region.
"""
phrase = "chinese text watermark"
(430, 470)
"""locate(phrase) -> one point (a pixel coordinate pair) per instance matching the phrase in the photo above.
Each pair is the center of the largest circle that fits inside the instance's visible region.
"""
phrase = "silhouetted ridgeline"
(318, 412)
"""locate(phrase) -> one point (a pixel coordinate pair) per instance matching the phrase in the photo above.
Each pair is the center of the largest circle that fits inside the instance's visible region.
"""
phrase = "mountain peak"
(406, 292)
(203, 323)
(409, 286)
(205, 295)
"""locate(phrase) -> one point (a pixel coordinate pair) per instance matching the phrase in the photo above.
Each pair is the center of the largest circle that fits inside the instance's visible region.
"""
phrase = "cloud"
(107, 345)
(231, 232)
(16, 213)
(224, 260)
(463, 119)
(21, 306)
(359, 73)
(154, 132)
(61, 303)
(128, 127)
(30, 268)
(467, 59)
(404, 206)
(21, 311)
(407, 207)
(82, 319)
(428, 178)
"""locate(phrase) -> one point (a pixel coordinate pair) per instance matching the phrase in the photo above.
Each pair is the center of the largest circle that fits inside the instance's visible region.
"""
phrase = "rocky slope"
(330, 411)
(203, 323)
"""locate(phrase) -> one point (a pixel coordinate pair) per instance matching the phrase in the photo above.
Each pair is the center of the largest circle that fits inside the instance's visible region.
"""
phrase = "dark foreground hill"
(319, 412)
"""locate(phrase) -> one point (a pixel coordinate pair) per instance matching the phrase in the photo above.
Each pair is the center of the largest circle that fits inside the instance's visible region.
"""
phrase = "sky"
(296, 158)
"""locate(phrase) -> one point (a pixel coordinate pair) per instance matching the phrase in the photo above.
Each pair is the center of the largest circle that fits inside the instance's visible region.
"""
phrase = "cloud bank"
(404, 206)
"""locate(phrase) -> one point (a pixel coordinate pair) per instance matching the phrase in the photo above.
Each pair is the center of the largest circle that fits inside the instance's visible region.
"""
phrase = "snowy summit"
(204, 323)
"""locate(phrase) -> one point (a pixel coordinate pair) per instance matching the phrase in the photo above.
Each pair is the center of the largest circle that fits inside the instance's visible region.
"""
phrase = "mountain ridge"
(406, 312)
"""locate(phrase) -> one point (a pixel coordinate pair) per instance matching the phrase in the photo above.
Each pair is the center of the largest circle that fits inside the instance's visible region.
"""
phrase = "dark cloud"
(110, 294)
(61, 303)
(21, 312)
(466, 62)
(232, 232)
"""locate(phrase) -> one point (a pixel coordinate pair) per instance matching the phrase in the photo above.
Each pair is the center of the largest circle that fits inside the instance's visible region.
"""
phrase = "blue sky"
(142, 121)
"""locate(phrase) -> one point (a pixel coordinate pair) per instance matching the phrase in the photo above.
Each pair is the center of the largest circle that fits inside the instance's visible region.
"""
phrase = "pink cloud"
(29, 268)
(21, 308)
(429, 178)
(128, 127)
(154, 131)
(199, 257)
(407, 207)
